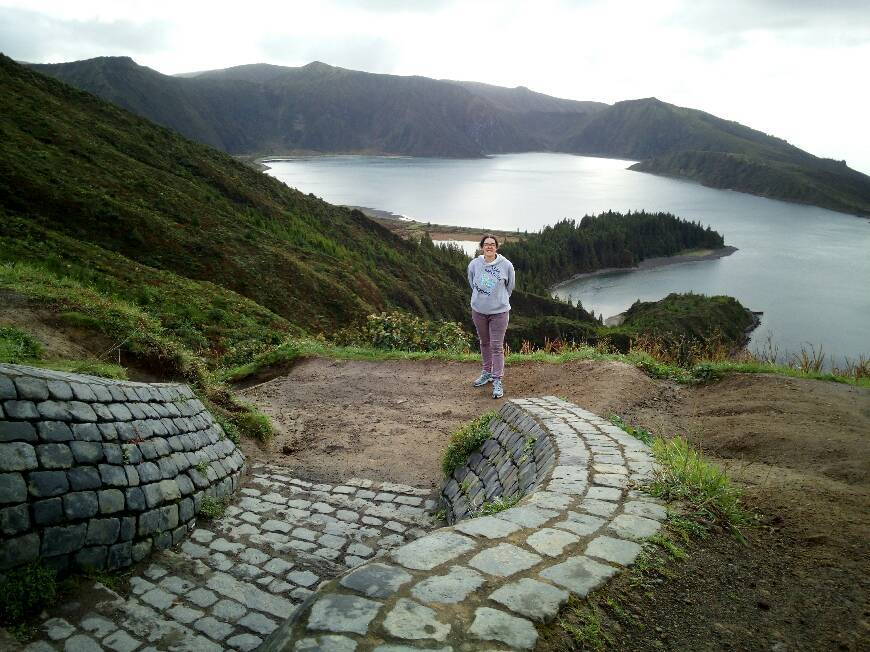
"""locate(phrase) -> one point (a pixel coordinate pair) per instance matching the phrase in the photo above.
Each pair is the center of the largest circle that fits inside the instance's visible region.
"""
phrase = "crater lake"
(806, 268)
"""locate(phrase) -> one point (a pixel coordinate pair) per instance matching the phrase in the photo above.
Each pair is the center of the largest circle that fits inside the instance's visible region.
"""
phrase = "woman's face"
(489, 247)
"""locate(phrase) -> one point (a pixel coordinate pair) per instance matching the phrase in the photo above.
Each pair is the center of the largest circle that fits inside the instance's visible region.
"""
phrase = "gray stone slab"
(503, 560)
(19, 430)
(433, 550)
(259, 623)
(250, 595)
(618, 551)
(487, 526)
(184, 614)
(12, 488)
(579, 575)
(450, 588)
(531, 598)
(202, 597)
(17, 456)
(645, 509)
(604, 493)
(582, 524)
(81, 643)
(551, 542)
(494, 625)
(376, 580)
(342, 613)
(213, 627)
(599, 507)
(244, 642)
(634, 527)
(410, 620)
(121, 641)
(527, 515)
(328, 643)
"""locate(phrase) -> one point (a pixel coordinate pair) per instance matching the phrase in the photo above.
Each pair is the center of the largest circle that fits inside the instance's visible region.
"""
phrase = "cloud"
(37, 37)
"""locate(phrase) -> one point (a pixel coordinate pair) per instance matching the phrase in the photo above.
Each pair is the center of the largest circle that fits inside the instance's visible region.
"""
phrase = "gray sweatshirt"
(491, 284)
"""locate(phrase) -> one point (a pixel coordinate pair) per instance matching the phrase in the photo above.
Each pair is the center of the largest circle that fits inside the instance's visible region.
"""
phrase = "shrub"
(465, 441)
(404, 332)
(212, 508)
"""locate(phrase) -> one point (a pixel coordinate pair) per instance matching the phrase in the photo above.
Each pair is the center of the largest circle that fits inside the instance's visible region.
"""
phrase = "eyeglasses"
(489, 244)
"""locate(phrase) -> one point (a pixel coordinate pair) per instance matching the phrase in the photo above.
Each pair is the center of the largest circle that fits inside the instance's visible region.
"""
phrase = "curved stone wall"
(95, 473)
(483, 583)
(509, 465)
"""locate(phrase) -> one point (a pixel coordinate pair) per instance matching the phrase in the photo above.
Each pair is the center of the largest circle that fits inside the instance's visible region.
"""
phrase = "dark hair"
(488, 236)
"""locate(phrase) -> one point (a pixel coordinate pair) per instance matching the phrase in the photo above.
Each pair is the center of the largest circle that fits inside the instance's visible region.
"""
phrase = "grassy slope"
(75, 166)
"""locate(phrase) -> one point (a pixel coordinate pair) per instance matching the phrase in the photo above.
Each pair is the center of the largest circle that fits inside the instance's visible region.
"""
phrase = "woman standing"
(491, 277)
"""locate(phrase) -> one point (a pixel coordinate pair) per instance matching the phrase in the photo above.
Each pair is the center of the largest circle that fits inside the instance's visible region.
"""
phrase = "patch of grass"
(465, 441)
(253, 423)
(620, 613)
(17, 346)
(27, 590)
(498, 505)
(642, 434)
(229, 428)
(110, 579)
(212, 508)
(404, 332)
(687, 528)
(683, 475)
(202, 467)
(669, 546)
(584, 626)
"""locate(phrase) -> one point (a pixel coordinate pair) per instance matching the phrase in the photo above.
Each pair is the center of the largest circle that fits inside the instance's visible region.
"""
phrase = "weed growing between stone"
(637, 432)
(212, 508)
(498, 505)
(465, 441)
(581, 621)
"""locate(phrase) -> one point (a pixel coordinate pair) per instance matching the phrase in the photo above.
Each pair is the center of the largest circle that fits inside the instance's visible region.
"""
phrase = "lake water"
(806, 268)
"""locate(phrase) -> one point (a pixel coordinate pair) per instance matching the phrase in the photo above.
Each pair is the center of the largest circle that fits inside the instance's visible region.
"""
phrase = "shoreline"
(653, 263)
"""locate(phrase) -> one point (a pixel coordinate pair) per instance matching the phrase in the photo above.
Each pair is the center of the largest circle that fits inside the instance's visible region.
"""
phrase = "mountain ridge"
(268, 110)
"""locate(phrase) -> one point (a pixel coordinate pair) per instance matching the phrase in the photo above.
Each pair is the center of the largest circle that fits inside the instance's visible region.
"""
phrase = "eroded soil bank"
(799, 448)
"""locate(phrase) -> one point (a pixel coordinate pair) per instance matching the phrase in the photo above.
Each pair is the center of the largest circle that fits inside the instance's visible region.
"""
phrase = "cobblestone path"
(235, 579)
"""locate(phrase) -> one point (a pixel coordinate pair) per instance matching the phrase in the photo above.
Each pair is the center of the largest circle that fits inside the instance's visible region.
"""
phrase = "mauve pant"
(490, 332)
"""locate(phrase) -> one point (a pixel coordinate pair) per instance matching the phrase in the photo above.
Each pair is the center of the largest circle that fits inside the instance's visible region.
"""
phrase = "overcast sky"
(797, 69)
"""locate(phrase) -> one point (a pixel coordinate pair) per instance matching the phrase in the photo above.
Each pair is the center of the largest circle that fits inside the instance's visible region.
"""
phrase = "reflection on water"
(806, 268)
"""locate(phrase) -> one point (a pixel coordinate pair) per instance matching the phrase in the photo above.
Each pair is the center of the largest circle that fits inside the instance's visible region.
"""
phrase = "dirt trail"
(800, 449)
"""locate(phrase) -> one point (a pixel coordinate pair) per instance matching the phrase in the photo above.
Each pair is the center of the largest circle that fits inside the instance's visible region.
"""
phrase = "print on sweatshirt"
(488, 279)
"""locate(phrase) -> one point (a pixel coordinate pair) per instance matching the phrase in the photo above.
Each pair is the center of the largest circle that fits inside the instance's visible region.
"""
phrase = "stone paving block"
(549, 500)
(328, 553)
(410, 620)
(331, 541)
(121, 641)
(202, 598)
(253, 556)
(433, 550)
(582, 524)
(579, 575)
(277, 566)
(213, 628)
(259, 624)
(487, 526)
(599, 507)
(375, 580)
(494, 625)
(81, 643)
(329, 643)
(97, 625)
(527, 515)
(228, 610)
(551, 542)
(176, 584)
(158, 598)
(503, 560)
(645, 509)
(613, 550)
(604, 493)
(249, 595)
(634, 527)
(342, 613)
(58, 629)
(184, 614)
(244, 642)
(531, 598)
(450, 588)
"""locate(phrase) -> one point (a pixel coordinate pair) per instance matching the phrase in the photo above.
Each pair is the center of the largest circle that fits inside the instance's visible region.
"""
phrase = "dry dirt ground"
(800, 449)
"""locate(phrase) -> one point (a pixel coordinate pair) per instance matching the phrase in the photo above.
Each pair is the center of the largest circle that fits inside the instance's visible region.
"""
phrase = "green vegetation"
(27, 590)
(465, 441)
(581, 621)
(498, 505)
(403, 332)
(16, 346)
(683, 475)
(212, 508)
(610, 239)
